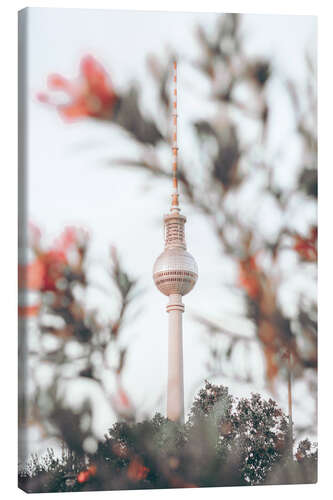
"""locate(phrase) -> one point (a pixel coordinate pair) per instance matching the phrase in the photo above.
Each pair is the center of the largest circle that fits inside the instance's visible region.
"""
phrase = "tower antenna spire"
(175, 194)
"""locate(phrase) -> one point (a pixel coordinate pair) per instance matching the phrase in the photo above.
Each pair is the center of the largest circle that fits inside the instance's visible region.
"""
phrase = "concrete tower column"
(175, 393)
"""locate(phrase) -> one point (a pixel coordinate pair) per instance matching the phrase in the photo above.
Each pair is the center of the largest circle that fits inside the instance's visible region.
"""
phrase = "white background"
(9, 256)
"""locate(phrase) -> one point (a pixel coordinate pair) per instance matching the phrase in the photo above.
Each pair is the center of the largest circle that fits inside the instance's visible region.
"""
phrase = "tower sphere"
(175, 271)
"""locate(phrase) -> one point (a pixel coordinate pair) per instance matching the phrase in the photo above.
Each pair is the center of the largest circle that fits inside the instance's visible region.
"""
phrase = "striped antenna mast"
(175, 194)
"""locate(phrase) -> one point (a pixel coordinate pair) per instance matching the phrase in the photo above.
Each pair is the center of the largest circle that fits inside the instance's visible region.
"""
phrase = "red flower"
(137, 471)
(92, 94)
(307, 247)
(48, 267)
(54, 263)
(83, 476)
(248, 276)
(41, 275)
(55, 260)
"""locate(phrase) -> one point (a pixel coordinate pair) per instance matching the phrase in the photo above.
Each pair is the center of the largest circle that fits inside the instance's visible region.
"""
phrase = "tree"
(224, 442)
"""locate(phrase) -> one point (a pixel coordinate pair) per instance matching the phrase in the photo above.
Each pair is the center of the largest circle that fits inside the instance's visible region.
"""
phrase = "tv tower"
(175, 274)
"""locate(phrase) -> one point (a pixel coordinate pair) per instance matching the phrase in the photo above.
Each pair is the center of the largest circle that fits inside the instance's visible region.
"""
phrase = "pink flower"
(91, 94)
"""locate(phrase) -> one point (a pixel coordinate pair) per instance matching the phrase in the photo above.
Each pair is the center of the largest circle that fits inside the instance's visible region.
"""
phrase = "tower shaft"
(175, 392)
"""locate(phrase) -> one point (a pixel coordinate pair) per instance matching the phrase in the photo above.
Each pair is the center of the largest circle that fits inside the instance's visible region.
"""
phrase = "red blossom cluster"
(307, 247)
(260, 290)
(45, 271)
(273, 330)
(91, 94)
(137, 471)
(85, 475)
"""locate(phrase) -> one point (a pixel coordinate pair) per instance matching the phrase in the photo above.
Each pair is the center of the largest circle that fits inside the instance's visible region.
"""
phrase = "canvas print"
(167, 250)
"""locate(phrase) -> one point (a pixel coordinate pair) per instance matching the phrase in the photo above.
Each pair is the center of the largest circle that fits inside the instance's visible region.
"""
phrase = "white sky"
(68, 183)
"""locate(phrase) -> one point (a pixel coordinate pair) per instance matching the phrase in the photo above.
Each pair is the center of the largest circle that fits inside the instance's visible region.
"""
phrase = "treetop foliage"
(224, 442)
